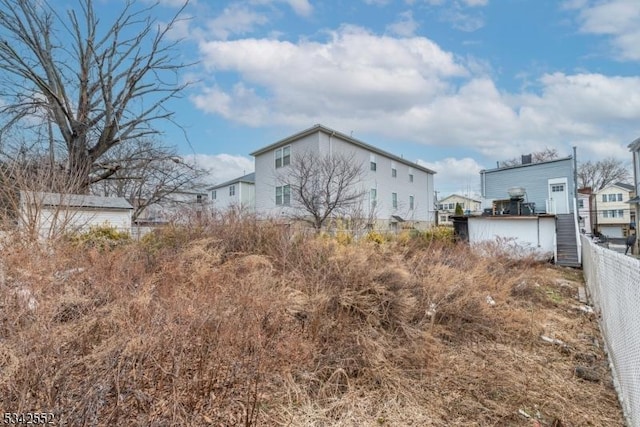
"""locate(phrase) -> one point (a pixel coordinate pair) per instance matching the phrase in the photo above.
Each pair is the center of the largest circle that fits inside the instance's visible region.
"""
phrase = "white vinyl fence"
(613, 283)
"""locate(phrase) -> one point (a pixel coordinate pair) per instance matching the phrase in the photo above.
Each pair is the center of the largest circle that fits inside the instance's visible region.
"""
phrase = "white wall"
(53, 221)
(267, 178)
(532, 234)
(244, 197)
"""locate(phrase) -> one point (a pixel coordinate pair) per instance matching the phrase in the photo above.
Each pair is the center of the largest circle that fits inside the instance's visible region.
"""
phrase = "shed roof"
(76, 200)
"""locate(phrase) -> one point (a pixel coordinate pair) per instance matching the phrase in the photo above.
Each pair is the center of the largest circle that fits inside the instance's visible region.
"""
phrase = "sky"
(455, 85)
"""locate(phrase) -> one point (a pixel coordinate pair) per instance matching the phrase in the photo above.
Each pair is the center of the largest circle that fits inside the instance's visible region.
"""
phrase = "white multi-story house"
(447, 207)
(394, 190)
(612, 209)
(237, 193)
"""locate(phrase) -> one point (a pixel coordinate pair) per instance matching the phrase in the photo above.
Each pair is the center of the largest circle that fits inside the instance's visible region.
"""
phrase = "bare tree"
(98, 85)
(536, 157)
(600, 174)
(150, 174)
(322, 186)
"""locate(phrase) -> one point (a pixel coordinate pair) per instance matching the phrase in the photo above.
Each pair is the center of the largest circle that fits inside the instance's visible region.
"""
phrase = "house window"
(619, 197)
(440, 207)
(605, 214)
(581, 203)
(214, 194)
(373, 196)
(394, 172)
(557, 188)
(372, 162)
(232, 190)
(394, 200)
(283, 195)
(411, 202)
(443, 218)
(198, 198)
(620, 213)
(410, 177)
(604, 197)
(283, 156)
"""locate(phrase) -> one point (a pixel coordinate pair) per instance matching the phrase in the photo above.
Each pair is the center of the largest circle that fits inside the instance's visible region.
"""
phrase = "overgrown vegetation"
(235, 322)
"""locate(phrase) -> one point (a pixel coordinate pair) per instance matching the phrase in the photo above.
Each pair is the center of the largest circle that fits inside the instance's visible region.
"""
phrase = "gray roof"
(76, 200)
(248, 178)
(625, 186)
(329, 131)
(635, 145)
(526, 165)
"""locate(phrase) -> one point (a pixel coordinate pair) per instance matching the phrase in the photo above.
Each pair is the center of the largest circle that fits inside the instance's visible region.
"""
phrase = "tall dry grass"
(237, 322)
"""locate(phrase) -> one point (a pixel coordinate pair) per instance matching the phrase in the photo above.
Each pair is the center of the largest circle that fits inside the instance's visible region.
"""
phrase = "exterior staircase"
(566, 244)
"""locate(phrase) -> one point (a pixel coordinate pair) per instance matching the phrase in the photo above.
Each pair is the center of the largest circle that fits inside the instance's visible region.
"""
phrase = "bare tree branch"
(101, 86)
(146, 174)
(536, 157)
(323, 186)
(598, 175)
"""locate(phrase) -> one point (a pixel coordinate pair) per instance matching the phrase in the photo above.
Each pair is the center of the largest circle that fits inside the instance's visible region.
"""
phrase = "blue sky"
(453, 84)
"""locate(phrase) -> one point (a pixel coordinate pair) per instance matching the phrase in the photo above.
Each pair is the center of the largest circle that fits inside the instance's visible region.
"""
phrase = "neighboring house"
(520, 202)
(585, 207)
(52, 214)
(549, 185)
(173, 207)
(396, 190)
(447, 207)
(237, 193)
(612, 209)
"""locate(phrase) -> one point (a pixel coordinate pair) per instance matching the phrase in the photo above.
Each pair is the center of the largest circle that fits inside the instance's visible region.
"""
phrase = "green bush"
(103, 236)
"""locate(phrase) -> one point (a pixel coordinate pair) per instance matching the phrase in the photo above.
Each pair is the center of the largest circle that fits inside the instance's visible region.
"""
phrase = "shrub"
(103, 236)
(375, 237)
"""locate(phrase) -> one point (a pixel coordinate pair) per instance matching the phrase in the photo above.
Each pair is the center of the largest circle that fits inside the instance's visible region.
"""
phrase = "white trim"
(553, 181)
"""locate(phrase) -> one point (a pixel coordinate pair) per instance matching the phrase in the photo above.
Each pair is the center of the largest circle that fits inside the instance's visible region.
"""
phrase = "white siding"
(529, 234)
(52, 221)
(247, 195)
(267, 178)
(223, 200)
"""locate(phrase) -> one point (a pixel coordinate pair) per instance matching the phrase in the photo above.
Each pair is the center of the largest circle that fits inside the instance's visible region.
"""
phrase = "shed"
(50, 214)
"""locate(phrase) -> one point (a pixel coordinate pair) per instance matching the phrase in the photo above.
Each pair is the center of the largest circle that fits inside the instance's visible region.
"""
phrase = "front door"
(558, 196)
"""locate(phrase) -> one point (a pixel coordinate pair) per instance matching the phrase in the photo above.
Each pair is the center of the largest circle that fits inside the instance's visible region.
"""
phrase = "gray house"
(519, 198)
(549, 185)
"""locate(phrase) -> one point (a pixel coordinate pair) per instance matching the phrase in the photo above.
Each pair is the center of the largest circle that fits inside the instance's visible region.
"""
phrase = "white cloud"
(222, 167)
(617, 19)
(300, 7)
(411, 90)
(475, 3)
(404, 26)
(354, 68)
(235, 19)
(461, 176)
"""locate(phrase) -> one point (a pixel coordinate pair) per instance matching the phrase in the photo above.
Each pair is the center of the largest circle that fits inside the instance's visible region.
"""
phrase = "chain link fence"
(613, 283)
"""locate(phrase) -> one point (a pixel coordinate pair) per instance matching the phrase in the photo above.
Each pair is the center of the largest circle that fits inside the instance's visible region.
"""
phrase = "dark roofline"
(331, 132)
(635, 145)
(526, 165)
(249, 178)
(624, 185)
